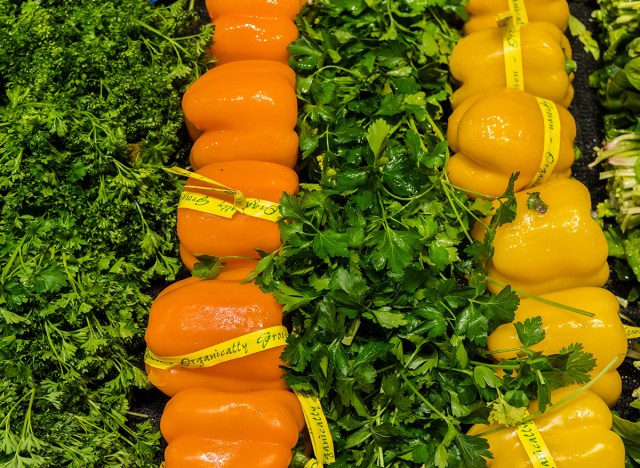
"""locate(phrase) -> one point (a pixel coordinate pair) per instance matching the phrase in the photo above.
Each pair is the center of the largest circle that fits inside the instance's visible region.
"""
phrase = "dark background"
(589, 117)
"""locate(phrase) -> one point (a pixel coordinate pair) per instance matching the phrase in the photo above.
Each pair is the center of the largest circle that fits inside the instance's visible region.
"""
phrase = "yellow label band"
(551, 149)
(313, 464)
(512, 46)
(254, 207)
(632, 332)
(518, 12)
(238, 197)
(318, 428)
(536, 449)
(236, 348)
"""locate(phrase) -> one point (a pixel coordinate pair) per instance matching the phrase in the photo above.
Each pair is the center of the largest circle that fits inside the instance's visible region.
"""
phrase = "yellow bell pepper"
(482, 13)
(499, 132)
(577, 434)
(601, 335)
(544, 251)
(478, 63)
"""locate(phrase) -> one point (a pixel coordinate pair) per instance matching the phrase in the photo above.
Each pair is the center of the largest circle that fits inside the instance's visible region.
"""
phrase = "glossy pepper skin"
(561, 248)
(482, 13)
(577, 433)
(242, 235)
(477, 62)
(207, 428)
(194, 313)
(253, 29)
(500, 132)
(244, 110)
(601, 335)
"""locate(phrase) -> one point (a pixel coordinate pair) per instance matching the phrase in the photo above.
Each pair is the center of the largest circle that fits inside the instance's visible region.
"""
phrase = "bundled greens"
(381, 281)
(90, 96)
(618, 86)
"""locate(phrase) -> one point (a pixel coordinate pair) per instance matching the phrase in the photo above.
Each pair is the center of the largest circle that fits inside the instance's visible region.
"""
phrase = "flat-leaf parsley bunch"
(383, 286)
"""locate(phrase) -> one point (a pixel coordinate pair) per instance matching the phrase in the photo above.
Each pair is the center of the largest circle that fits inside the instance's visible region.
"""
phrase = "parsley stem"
(173, 42)
(14, 254)
(544, 300)
(464, 225)
(500, 351)
(425, 401)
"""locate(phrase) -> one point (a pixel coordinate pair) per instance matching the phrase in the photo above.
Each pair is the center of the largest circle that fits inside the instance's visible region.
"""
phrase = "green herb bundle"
(90, 96)
(381, 281)
(618, 86)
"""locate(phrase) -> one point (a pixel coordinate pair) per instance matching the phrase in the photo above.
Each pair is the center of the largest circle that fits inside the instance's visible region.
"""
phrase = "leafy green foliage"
(379, 276)
(629, 432)
(89, 112)
(618, 86)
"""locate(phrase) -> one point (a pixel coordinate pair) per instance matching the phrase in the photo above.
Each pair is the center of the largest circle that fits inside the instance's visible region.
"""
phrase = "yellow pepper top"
(601, 335)
(545, 251)
(577, 433)
(482, 13)
(499, 132)
(478, 63)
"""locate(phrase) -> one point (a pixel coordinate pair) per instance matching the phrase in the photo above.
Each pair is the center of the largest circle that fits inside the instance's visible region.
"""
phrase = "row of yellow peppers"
(230, 407)
(554, 252)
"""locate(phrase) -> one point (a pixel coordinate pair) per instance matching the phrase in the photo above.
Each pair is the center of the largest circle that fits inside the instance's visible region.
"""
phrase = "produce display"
(349, 233)
(90, 96)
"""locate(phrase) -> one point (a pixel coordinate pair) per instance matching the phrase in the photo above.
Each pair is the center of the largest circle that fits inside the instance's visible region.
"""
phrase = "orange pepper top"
(253, 29)
(266, 8)
(244, 429)
(235, 111)
(273, 416)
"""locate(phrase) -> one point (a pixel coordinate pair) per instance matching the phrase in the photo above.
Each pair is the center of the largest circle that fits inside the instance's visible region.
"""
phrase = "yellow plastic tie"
(238, 196)
(632, 332)
(254, 207)
(532, 441)
(229, 350)
(318, 427)
(551, 149)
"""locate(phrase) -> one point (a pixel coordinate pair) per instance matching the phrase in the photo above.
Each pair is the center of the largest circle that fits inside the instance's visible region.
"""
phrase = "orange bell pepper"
(204, 233)
(193, 314)
(205, 428)
(243, 110)
(253, 29)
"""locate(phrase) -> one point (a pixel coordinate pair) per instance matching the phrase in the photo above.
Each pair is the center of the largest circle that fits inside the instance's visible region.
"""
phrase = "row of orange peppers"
(241, 115)
(553, 254)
